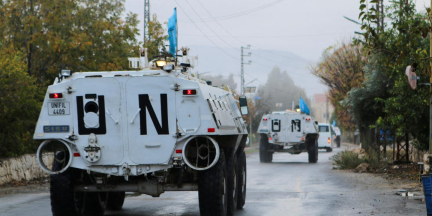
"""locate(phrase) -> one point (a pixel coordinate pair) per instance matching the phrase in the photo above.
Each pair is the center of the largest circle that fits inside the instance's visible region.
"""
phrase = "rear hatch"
(134, 118)
(151, 119)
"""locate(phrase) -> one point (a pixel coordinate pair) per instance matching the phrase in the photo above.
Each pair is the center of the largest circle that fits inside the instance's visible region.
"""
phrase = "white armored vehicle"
(147, 131)
(288, 131)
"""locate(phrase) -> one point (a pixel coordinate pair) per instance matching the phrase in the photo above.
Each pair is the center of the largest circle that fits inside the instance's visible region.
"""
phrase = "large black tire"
(213, 190)
(329, 149)
(265, 156)
(66, 202)
(232, 184)
(94, 203)
(241, 179)
(62, 194)
(313, 152)
(116, 200)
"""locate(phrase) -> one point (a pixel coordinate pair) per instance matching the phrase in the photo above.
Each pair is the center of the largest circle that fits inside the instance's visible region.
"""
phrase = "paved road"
(288, 186)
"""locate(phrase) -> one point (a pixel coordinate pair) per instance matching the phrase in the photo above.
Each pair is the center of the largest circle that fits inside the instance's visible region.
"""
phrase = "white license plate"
(58, 108)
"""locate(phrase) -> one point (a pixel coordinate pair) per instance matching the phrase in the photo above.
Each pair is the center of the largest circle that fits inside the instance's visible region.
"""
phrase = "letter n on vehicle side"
(144, 104)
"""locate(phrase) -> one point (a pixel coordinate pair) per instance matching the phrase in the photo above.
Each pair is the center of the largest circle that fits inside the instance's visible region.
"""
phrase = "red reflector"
(308, 119)
(303, 138)
(265, 119)
(56, 95)
(211, 130)
(189, 92)
(179, 151)
(77, 154)
(270, 138)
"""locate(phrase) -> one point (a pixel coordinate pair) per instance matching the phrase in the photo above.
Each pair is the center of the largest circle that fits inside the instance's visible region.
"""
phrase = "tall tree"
(400, 42)
(341, 69)
(19, 104)
(82, 35)
(157, 38)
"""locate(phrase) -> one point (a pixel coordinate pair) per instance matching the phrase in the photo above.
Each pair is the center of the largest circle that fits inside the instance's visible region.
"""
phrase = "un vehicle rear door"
(151, 114)
(97, 107)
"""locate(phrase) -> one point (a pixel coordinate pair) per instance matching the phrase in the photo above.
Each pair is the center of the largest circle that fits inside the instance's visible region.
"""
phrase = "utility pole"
(327, 114)
(242, 68)
(146, 20)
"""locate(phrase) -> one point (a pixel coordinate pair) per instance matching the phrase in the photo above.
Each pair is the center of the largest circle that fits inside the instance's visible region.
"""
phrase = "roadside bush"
(347, 159)
(19, 105)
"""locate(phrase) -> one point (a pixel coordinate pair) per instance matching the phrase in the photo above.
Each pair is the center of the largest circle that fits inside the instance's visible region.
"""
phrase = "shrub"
(347, 159)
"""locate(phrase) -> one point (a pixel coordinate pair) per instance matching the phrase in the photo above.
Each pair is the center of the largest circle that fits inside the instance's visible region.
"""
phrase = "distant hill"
(217, 62)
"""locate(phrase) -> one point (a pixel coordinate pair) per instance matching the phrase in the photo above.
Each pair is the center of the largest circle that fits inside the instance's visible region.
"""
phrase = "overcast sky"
(303, 27)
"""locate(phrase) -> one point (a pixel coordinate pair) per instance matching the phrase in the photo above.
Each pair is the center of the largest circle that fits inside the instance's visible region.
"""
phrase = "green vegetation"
(347, 159)
(393, 36)
(38, 38)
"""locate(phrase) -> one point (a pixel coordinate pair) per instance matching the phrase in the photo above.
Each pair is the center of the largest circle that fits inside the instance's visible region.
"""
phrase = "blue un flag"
(172, 33)
(303, 107)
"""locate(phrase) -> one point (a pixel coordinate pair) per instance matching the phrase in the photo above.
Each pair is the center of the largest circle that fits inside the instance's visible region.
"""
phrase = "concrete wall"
(24, 167)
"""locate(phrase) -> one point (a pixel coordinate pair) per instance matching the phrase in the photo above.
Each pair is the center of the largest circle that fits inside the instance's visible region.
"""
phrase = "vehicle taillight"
(189, 92)
(328, 140)
(55, 95)
(211, 130)
(265, 119)
(270, 138)
(307, 119)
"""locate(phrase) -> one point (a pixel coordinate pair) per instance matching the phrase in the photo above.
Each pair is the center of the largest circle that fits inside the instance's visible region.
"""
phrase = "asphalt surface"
(288, 186)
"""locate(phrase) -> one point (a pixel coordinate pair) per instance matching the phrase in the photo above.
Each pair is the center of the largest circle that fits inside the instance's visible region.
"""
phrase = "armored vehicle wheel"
(91, 203)
(212, 189)
(62, 194)
(232, 184)
(265, 156)
(116, 200)
(313, 152)
(241, 179)
(66, 202)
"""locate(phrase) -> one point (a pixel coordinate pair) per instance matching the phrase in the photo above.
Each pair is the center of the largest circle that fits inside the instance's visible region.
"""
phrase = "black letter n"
(144, 104)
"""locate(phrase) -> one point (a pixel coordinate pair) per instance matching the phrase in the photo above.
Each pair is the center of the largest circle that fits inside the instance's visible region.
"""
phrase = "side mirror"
(243, 105)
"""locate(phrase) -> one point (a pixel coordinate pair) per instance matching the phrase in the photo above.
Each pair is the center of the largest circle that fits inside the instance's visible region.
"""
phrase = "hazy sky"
(303, 27)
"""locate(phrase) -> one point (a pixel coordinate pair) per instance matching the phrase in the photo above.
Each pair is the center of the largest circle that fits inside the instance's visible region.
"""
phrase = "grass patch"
(347, 159)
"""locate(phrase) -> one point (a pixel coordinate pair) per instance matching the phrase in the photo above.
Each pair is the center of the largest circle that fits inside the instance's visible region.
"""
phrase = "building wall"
(319, 104)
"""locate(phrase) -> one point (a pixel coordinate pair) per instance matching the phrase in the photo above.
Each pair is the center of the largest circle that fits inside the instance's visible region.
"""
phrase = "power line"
(208, 25)
(203, 32)
(229, 33)
(240, 13)
(237, 39)
(275, 36)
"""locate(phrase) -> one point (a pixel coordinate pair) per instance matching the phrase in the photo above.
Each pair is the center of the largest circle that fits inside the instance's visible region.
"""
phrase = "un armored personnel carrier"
(288, 131)
(147, 131)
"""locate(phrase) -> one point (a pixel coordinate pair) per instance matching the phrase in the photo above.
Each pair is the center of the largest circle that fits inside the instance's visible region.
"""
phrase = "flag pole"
(176, 36)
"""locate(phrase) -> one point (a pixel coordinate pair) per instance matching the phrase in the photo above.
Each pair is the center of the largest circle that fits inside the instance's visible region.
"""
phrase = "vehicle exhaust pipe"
(201, 152)
(54, 156)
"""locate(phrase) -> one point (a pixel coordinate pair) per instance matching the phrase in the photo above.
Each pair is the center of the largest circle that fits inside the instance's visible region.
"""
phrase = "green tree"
(385, 99)
(341, 69)
(19, 104)
(157, 36)
(82, 35)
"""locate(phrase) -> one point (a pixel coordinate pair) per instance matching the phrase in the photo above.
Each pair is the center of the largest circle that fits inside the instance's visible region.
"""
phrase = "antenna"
(146, 20)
